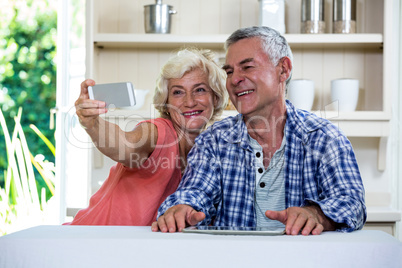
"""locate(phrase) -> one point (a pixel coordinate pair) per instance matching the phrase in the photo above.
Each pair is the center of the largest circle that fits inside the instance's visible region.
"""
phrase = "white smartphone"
(229, 230)
(115, 95)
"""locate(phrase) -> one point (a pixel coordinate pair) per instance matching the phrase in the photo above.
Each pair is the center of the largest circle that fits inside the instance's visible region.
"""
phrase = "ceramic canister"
(301, 93)
(345, 92)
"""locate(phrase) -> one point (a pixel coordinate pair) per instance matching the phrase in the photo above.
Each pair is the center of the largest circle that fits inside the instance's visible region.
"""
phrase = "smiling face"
(190, 101)
(255, 85)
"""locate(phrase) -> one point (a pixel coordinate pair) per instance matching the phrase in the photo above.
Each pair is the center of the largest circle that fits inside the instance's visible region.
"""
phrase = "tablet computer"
(115, 95)
(229, 230)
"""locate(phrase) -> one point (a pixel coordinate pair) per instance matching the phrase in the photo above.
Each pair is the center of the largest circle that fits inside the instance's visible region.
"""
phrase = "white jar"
(272, 14)
(345, 94)
(301, 93)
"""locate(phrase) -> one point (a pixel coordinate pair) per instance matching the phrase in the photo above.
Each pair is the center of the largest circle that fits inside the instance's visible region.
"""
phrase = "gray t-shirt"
(270, 184)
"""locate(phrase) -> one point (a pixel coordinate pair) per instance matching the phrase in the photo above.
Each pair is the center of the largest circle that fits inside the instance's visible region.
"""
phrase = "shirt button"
(262, 184)
(258, 154)
(260, 170)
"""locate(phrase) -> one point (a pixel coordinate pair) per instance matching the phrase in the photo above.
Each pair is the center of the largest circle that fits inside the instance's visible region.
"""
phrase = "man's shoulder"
(304, 123)
(320, 131)
(310, 121)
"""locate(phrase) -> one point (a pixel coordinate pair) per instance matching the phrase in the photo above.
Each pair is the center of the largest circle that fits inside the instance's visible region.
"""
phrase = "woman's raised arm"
(129, 148)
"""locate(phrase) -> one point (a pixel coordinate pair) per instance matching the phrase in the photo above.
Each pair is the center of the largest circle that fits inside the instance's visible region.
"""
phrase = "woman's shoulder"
(161, 125)
(163, 129)
(159, 122)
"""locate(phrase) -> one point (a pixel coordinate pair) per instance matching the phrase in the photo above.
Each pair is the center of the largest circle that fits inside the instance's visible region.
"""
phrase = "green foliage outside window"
(28, 72)
(22, 203)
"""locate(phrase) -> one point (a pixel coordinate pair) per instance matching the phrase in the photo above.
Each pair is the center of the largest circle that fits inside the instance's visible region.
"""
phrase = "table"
(129, 246)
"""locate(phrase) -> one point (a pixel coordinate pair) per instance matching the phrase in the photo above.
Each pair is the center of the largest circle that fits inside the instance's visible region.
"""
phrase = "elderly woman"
(190, 94)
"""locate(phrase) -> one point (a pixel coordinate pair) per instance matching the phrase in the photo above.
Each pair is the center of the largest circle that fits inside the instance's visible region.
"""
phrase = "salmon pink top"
(133, 196)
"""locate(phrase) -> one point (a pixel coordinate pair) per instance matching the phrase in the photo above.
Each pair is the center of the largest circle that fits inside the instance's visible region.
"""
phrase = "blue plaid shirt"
(320, 167)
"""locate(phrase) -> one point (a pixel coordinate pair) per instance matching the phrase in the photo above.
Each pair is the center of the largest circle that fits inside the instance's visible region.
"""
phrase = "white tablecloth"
(117, 246)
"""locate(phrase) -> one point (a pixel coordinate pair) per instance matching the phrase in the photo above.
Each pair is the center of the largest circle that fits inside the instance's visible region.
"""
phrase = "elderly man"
(272, 165)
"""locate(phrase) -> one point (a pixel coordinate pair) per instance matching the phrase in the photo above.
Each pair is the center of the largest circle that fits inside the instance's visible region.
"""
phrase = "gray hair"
(185, 61)
(274, 44)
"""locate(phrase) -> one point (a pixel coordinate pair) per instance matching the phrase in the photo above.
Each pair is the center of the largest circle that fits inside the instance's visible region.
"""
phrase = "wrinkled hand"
(307, 220)
(88, 110)
(177, 218)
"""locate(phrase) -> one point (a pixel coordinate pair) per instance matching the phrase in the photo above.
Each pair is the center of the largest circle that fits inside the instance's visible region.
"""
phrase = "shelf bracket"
(382, 153)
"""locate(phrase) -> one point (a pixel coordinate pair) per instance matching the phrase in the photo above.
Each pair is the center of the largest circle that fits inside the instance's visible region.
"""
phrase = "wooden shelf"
(383, 214)
(341, 116)
(112, 40)
(353, 116)
(354, 124)
(335, 40)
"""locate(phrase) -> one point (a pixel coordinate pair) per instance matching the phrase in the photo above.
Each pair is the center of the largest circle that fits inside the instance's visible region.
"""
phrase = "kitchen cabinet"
(119, 50)
(118, 47)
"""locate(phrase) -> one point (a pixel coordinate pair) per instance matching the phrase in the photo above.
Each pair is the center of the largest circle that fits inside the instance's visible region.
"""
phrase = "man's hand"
(177, 218)
(307, 220)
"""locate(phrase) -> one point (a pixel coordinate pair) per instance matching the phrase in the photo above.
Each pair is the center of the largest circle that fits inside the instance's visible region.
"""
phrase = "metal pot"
(157, 17)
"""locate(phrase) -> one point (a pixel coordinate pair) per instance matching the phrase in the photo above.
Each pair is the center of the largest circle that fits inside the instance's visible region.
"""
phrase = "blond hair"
(184, 61)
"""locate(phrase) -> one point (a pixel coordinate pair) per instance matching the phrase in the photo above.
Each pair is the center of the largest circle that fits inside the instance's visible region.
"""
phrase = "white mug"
(301, 93)
(345, 92)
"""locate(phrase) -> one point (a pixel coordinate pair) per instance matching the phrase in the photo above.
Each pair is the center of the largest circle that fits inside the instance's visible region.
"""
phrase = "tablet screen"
(229, 230)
